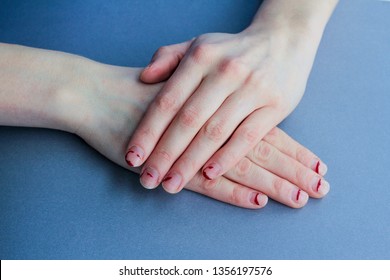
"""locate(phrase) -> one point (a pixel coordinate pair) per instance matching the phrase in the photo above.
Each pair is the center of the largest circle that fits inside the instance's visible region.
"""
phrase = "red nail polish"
(205, 175)
(318, 167)
(134, 156)
(132, 152)
(318, 184)
(298, 194)
(149, 174)
(257, 199)
(167, 179)
(128, 161)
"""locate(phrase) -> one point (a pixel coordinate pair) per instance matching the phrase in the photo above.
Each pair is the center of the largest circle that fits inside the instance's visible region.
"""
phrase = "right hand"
(278, 167)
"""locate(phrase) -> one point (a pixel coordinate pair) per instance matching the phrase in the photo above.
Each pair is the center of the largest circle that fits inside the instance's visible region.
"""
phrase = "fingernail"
(320, 168)
(300, 196)
(212, 171)
(134, 156)
(258, 199)
(315, 183)
(323, 187)
(171, 182)
(149, 178)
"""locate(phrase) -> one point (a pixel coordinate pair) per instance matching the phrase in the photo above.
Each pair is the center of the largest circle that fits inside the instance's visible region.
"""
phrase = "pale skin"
(225, 92)
(103, 104)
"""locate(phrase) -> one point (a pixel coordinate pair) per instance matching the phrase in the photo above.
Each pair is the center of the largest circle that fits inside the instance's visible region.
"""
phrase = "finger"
(249, 174)
(228, 191)
(164, 62)
(161, 112)
(210, 138)
(284, 143)
(183, 129)
(270, 158)
(246, 136)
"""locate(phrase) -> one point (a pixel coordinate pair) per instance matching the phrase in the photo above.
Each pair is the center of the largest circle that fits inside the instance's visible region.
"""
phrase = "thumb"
(164, 62)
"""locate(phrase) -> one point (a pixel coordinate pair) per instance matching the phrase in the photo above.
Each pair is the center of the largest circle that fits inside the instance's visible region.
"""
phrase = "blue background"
(59, 199)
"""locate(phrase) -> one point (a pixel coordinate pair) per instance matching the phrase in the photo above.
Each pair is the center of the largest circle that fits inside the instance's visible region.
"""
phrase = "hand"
(278, 167)
(226, 94)
(103, 104)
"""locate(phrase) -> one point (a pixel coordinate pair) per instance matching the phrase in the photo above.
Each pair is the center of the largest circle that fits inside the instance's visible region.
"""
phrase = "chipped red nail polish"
(205, 175)
(257, 199)
(212, 171)
(167, 179)
(134, 156)
(127, 160)
(318, 167)
(149, 177)
(254, 198)
(172, 182)
(318, 184)
(132, 152)
(298, 194)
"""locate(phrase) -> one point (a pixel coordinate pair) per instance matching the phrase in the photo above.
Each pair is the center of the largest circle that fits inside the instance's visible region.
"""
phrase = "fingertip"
(147, 75)
(212, 171)
(134, 156)
(300, 198)
(149, 178)
(323, 188)
(319, 166)
(172, 183)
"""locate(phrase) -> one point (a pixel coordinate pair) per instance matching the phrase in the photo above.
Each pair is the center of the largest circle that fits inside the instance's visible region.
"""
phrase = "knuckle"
(235, 196)
(166, 103)
(213, 130)
(234, 67)
(249, 135)
(188, 164)
(147, 133)
(162, 50)
(202, 53)
(243, 167)
(302, 155)
(189, 117)
(163, 154)
(302, 177)
(258, 151)
(255, 80)
(209, 185)
(279, 186)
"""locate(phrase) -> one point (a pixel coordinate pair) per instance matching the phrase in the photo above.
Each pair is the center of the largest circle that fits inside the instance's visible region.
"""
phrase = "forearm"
(32, 82)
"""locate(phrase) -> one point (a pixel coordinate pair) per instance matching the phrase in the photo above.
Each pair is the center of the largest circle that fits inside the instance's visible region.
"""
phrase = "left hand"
(227, 92)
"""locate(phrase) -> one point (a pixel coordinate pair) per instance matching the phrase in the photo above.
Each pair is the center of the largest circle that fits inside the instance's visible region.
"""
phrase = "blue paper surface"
(60, 199)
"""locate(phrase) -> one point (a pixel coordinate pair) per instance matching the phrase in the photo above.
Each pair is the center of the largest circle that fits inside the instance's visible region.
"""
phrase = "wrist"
(70, 99)
(97, 94)
(301, 21)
